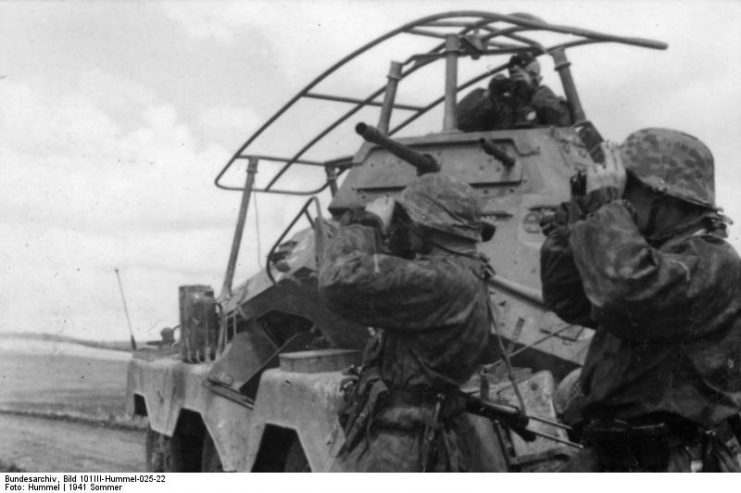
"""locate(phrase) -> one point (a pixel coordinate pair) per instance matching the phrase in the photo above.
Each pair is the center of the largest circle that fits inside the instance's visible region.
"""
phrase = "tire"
(158, 454)
(296, 460)
(210, 461)
(185, 453)
(171, 454)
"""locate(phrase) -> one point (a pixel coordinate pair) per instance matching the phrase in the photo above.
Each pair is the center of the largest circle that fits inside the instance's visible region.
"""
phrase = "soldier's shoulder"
(544, 91)
(715, 248)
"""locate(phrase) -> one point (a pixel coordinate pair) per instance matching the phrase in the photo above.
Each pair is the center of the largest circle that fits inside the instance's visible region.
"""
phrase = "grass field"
(9, 467)
(63, 380)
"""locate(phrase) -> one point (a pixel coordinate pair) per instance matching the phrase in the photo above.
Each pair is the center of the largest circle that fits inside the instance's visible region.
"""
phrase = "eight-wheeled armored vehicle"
(253, 382)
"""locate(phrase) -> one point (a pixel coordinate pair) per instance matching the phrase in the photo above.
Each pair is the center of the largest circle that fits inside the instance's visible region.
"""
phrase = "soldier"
(641, 258)
(517, 101)
(428, 302)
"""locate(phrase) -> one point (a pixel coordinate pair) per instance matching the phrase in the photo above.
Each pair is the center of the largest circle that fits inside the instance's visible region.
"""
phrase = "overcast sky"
(116, 116)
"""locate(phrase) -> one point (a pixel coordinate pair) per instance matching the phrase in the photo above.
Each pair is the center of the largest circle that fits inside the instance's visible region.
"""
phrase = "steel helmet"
(671, 162)
(447, 204)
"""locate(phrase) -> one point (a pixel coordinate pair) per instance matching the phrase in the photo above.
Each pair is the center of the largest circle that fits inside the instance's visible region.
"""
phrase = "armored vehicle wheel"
(171, 454)
(210, 461)
(296, 460)
(158, 456)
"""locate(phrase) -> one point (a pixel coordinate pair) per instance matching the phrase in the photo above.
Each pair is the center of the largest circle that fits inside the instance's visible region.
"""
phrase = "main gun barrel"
(423, 162)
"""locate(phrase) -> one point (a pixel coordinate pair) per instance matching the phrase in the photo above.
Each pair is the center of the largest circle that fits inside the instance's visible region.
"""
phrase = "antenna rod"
(226, 289)
(126, 310)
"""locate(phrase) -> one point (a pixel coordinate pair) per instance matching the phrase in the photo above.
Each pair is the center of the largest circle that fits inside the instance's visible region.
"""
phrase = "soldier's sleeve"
(551, 109)
(563, 292)
(365, 285)
(639, 292)
(472, 111)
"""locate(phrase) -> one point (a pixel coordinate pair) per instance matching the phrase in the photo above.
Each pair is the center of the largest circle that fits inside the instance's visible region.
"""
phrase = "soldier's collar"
(698, 226)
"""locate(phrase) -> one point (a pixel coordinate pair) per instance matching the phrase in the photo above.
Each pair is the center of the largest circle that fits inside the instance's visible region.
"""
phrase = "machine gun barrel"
(491, 149)
(423, 162)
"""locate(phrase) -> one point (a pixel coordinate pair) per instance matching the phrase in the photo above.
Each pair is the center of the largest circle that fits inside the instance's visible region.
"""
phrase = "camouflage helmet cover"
(447, 204)
(671, 162)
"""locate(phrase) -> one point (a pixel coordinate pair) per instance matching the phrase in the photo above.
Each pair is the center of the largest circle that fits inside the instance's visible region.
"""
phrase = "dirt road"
(49, 445)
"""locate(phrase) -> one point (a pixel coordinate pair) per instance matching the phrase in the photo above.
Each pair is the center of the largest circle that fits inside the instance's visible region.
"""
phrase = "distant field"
(59, 338)
(9, 467)
(63, 379)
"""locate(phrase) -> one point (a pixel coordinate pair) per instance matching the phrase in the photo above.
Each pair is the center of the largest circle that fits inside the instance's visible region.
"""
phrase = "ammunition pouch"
(429, 414)
(372, 406)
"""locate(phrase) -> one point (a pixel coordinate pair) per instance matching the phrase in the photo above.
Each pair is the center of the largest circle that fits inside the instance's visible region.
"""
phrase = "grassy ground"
(72, 386)
(9, 467)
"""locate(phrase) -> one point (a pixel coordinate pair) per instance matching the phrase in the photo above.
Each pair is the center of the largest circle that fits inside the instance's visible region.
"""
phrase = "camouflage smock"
(433, 310)
(667, 315)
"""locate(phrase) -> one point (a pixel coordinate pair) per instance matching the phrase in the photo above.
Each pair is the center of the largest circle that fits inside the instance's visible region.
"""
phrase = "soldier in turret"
(426, 298)
(517, 101)
(642, 259)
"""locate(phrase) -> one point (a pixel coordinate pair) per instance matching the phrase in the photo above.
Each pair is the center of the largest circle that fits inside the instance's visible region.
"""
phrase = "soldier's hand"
(611, 174)
(383, 207)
